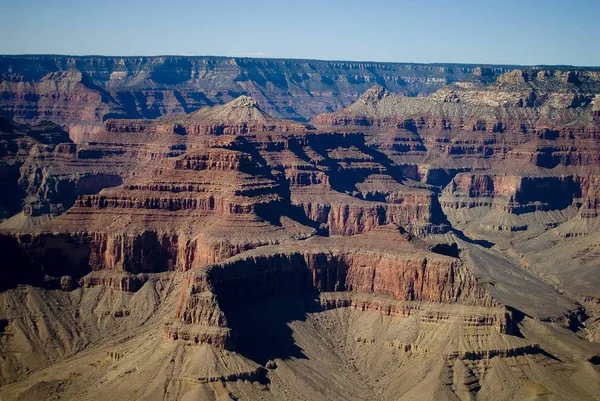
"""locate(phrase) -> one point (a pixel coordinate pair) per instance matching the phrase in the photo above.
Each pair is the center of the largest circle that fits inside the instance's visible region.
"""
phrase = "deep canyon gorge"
(232, 228)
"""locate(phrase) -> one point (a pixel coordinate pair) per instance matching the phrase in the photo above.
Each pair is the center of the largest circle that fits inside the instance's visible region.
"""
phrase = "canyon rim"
(215, 233)
(291, 226)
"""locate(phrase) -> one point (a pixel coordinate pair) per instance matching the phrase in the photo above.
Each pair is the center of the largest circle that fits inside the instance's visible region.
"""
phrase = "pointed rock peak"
(243, 109)
(65, 75)
(243, 102)
(514, 77)
(66, 80)
(374, 94)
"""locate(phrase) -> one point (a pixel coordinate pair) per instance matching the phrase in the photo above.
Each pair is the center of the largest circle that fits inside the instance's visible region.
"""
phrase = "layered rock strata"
(454, 232)
(80, 92)
(379, 263)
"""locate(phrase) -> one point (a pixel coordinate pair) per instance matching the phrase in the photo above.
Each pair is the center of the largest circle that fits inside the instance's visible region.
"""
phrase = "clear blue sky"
(472, 31)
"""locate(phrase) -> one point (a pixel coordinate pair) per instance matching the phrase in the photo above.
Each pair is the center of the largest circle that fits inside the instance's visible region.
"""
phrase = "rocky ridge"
(81, 92)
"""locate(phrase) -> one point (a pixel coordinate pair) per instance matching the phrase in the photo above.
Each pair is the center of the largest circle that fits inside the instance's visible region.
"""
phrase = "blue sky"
(482, 31)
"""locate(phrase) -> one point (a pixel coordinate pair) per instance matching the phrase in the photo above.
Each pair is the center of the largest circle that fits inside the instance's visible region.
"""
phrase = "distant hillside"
(69, 89)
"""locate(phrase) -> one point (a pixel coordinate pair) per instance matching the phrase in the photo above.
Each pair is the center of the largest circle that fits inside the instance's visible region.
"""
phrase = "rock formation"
(81, 92)
(403, 247)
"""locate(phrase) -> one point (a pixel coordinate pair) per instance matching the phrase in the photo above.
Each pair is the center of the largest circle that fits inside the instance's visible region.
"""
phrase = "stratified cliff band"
(408, 232)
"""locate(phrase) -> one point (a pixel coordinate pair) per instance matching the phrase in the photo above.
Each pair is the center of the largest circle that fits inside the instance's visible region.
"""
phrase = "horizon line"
(475, 64)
